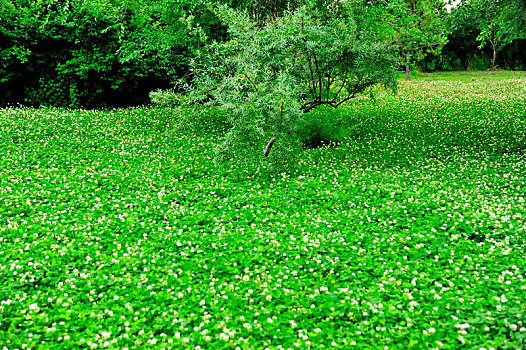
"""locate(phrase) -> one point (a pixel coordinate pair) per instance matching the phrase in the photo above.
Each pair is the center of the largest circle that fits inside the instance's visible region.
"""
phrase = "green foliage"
(323, 127)
(57, 53)
(497, 27)
(410, 234)
(267, 76)
(162, 39)
(159, 39)
(463, 25)
(92, 53)
(101, 53)
(419, 29)
(499, 23)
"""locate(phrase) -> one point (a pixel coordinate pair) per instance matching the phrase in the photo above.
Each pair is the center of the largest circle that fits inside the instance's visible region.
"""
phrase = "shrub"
(320, 128)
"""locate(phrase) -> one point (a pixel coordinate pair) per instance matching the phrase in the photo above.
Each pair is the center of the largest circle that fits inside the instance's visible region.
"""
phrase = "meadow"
(118, 232)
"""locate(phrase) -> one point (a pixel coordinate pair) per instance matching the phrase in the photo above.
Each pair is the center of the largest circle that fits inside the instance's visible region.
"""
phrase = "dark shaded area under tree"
(456, 55)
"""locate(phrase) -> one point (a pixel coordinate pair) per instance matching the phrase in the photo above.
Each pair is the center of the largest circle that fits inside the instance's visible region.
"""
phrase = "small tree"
(500, 22)
(266, 76)
(419, 29)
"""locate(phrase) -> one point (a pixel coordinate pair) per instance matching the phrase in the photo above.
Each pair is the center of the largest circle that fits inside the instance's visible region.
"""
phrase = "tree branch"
(341, 87)
(319, 74)
(352, 94)
(266, 151)
(254, 85)
(311, 76)
(328, 85)
(307, 107)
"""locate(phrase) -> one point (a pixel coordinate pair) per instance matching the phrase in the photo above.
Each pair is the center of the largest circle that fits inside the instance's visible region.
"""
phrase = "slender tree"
(419, 29)
(500, 22)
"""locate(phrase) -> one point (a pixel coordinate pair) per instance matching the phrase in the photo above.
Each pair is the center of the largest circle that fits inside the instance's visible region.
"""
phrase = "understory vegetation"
(407, 230)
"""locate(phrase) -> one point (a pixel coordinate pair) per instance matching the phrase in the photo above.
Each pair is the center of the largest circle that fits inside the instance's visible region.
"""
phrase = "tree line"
(107, 53)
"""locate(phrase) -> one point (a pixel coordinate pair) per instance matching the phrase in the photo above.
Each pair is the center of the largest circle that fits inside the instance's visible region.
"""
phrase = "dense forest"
(113, 53)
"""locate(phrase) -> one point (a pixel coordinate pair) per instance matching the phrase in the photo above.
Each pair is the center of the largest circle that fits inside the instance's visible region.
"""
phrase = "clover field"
(116, 232)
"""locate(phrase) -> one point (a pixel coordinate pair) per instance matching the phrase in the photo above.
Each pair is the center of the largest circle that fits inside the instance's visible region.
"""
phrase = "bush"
(320, 128)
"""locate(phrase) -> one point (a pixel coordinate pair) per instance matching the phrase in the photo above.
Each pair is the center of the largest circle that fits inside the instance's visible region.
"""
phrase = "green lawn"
(116, 232)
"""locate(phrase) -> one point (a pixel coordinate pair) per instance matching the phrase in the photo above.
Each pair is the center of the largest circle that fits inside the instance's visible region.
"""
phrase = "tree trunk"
(494, 58)
(470, 62)
(266, 151)
(407, 64)
(493, 43)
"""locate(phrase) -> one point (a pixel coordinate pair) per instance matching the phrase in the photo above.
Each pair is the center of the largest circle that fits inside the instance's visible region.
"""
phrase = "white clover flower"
(105, 335)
